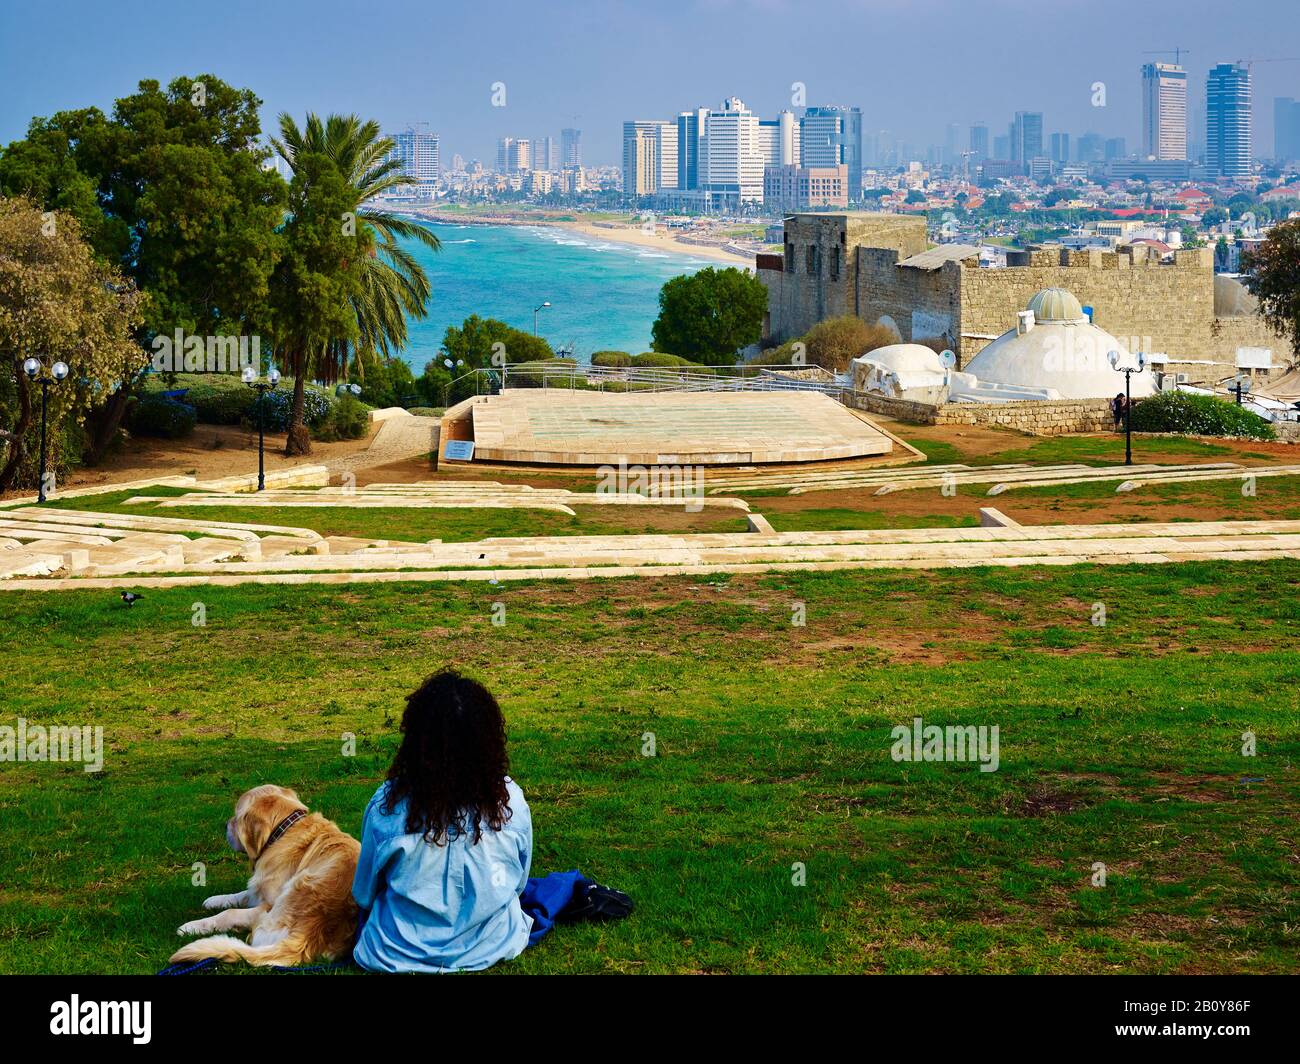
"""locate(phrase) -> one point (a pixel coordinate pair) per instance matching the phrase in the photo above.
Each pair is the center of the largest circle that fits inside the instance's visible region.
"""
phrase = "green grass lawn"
(1119, 744)
(1090, 450)
(416, 525)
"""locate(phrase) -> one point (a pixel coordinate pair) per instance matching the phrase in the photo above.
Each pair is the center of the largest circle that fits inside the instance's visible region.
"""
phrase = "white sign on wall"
(1254, 358)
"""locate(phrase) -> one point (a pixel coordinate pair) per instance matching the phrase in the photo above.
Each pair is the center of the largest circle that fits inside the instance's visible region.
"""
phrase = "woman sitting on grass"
(447, 840)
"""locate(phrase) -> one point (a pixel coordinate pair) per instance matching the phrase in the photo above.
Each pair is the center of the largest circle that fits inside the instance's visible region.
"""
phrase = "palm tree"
(393, 286)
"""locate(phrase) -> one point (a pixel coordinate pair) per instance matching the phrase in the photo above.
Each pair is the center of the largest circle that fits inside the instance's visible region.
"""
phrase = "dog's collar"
(282, 827)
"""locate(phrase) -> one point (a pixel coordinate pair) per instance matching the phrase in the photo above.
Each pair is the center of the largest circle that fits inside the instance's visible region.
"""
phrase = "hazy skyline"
(913, 66)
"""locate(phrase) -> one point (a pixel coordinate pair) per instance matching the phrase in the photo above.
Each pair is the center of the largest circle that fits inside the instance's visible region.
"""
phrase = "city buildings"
(790, 188)
(1228, 121)
(1026, 136)
(570, 148)
(831, 136)
(649, 157)
(731, 155)
(418, 151)
(1164, 111)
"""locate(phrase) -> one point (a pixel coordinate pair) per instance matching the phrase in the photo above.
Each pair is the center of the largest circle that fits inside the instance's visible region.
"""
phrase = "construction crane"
(1177, 53)
(1248, 63)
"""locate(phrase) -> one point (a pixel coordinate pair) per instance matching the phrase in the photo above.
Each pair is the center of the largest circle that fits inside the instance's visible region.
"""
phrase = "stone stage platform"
(553, 427)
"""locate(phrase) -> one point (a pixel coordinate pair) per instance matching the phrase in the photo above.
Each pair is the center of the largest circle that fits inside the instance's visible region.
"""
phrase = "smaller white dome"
(910, 357)
(1055, 304)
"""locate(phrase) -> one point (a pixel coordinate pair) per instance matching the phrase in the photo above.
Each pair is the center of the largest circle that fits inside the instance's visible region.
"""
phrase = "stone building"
(880, 267)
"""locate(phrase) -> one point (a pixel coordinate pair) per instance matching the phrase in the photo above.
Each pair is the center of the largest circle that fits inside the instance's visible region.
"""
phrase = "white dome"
(1070, 357)
(913, 357)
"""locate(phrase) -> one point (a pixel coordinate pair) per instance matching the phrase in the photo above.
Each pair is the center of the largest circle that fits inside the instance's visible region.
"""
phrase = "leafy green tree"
(474, 343)
(316, 282)
(708, 317)
(61, 303)
(391, 285)
(173, 190)
(1273, 277)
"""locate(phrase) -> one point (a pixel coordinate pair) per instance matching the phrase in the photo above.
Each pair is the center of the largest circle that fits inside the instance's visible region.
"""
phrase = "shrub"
(426, 411)
(316, 407)
(660, 360)
(614, 359)
(835, 342)
(1198, 415)
(217, 398)
(153, 415)
(348, 419)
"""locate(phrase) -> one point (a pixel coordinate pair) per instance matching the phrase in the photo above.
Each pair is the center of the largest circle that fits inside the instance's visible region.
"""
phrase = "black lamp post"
(261, 387)
(1128, 372)
(58, 372)
(1240, 385)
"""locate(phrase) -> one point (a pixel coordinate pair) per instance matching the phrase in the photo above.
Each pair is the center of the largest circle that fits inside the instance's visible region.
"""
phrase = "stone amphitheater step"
(83, 534)
(1237, 474)
(294, 476)
(125, 557)
(142, 523)
(346, 545)
(211, 549)
(557, 501)
(102, 489)
(1041, 475)
(19, 563)
(648, 555)
(272, 547)
(74, 555)
(306, 501)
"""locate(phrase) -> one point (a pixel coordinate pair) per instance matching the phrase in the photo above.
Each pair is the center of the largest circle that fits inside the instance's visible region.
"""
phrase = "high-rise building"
(690, 135)
(1092, 148)
(1026, 136)
(519, 155)
(979, 142)
(418, 152)
(952, 144)
(731, 155)
(570, 148)
(1115, 148)
(1164, 111)
(545, 155)
(1060, 148)
(649, 157)
(1228, 121)
(1002, 147)
(1286, 129)
(831, 136)
(779, 139)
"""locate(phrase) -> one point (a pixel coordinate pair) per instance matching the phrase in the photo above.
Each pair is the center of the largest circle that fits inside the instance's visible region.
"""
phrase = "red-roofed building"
(1193, 199)
(1282, 192)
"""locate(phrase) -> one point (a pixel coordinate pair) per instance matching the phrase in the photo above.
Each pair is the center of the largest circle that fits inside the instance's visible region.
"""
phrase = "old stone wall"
(1053, 418)
(820, 264)
(922, 304)
(1146, 305)
(839, 264)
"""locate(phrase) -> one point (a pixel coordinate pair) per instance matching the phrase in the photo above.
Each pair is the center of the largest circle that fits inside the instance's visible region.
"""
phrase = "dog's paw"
(218, 901)
(194, 927)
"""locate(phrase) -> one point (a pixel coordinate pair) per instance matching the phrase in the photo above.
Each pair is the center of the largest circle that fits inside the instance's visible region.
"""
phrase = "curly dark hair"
(452, 765)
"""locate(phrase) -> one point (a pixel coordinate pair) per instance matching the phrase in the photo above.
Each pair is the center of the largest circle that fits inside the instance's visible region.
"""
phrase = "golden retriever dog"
(298, 905)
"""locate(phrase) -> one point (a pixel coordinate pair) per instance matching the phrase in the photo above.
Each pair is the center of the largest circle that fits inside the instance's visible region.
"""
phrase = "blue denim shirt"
(453, 907)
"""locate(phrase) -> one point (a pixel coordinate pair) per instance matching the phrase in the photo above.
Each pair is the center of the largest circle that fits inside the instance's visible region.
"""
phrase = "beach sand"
(661, 239)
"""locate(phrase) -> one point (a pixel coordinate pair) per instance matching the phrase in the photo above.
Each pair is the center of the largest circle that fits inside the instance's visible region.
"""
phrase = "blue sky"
(912, 65)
